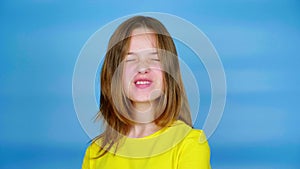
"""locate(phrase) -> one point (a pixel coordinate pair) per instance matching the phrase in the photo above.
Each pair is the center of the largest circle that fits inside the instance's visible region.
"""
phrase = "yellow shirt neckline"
(154, 144)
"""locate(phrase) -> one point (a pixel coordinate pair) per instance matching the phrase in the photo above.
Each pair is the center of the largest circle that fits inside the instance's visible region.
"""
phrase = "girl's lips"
(142, 83)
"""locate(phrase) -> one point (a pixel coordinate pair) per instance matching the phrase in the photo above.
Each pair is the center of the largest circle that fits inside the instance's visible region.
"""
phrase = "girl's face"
(143, 77)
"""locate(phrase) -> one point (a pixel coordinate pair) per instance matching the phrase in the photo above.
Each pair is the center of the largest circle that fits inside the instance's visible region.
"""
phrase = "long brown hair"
(176, 104)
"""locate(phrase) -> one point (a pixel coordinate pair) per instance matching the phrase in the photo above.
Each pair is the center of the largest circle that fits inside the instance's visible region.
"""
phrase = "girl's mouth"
(142, 83)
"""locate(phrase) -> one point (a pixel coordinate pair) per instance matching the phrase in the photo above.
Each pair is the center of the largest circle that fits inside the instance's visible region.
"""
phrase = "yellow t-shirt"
(175, 147)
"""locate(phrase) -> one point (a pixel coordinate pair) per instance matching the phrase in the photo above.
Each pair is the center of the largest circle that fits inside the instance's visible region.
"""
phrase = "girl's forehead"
(142, 31)
(142, 39)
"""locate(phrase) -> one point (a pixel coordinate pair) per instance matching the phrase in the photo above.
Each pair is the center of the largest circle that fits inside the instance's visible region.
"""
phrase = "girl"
(144, 105)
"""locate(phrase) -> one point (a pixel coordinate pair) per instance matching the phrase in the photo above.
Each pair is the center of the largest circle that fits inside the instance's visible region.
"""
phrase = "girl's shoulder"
(94, 147)
(193, 150)
(193, 135)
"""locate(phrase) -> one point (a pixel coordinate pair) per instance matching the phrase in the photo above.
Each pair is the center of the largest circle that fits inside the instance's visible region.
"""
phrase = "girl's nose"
(143, 66)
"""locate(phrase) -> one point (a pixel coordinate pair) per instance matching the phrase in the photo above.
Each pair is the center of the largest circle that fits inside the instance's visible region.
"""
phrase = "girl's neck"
(143, 112)
(142, 130)
(144, 116)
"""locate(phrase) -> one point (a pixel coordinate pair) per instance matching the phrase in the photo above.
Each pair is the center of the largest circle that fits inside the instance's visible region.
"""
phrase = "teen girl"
(144, 106)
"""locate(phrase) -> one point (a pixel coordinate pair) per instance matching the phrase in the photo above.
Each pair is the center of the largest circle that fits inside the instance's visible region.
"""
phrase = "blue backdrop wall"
(257, 41)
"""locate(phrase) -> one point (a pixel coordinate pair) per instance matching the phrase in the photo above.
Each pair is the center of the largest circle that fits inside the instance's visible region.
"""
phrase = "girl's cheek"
(129, 74)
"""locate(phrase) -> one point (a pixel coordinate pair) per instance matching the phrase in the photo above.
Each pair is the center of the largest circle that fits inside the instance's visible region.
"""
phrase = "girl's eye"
(130, 58)
(155, 59)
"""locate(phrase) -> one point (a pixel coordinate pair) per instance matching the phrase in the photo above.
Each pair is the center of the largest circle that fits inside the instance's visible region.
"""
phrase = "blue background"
(257, 41)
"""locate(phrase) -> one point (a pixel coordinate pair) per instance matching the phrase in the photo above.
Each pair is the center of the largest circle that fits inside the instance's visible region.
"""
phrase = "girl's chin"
(146, 96)
(141, 100)
(144, 99)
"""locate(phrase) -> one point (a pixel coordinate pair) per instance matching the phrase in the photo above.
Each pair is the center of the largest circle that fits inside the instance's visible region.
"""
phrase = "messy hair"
(113, 105)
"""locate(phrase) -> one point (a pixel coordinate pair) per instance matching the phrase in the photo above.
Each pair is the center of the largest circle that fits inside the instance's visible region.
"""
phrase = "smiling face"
(142, 75)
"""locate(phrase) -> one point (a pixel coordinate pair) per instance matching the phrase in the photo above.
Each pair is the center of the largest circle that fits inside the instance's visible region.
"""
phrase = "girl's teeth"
(142, 82)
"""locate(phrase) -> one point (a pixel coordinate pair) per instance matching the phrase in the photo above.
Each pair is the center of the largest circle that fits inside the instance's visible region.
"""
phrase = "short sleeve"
(195, 152)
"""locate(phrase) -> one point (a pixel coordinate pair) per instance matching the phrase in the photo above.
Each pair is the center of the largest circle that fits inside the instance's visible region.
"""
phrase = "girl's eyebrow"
(134, 53)
(131, 53)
